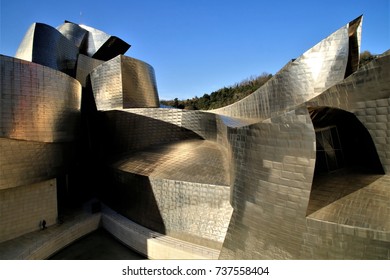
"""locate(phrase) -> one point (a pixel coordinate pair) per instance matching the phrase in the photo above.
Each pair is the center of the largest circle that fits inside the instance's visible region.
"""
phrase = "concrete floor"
(98, 245)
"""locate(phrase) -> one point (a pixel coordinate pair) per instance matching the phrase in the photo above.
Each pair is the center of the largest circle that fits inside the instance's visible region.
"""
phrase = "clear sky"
(199, 46)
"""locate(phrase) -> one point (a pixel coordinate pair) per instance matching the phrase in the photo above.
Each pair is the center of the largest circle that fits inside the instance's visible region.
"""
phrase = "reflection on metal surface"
(245, 179)
(124, 82)
(102, 46)
(303, 78)
(37, 103)
(45, 45)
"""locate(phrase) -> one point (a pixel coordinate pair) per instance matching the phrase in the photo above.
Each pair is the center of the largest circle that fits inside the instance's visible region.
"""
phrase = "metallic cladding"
(241, 179)
(27, 162)
(74, 33)
(45, 45)
(37, 103)
(124, 82)
(103, 46)
(301, 79)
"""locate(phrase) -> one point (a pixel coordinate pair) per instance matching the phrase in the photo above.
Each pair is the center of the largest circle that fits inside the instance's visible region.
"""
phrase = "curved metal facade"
(247, 179)
(46, 110)
(103, 46)
(74, 33)
(301, 79)
(45, 45)
(124, 82)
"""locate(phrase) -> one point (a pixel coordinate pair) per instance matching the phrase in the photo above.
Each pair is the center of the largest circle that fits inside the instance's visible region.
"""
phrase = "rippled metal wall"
(74, 33)
(274, 162)
(85, 65)
(45, 45)
(202, 123)
(38, 103)
(366, 94)
(124, 82)
(103, 46)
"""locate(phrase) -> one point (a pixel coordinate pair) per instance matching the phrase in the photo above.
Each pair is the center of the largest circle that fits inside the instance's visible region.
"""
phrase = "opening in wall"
(342, 141)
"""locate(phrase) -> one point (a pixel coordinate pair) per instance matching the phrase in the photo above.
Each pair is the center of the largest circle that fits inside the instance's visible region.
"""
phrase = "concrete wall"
(23, 208)
(150, 243)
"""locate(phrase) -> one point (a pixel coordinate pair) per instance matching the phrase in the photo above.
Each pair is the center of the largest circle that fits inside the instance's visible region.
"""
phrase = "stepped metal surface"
(198, 161)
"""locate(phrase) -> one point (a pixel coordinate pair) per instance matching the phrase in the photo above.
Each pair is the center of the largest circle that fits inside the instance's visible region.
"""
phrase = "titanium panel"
(45, 45)
(74, 33)
(273, 166)
(125, 132)
(241, 178)
(366, 93)
(37, 102)
(85, 65)
(300, 80)
(28, 162)
(124, 82)
(197, 161)
(273, 161)
(103, 46)
(202, 123)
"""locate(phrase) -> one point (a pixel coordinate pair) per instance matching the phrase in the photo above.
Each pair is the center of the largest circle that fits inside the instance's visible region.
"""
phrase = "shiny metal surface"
(103, 46)
(301, 79)
(274, 160)
(45, 45)
(27, 162)
(244, 179)
(124, 82)
(74, 33)
(366, 94)
(85, 65)
(37, 103)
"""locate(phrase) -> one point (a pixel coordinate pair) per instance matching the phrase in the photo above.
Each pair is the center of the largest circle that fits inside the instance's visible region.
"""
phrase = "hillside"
(221, 97)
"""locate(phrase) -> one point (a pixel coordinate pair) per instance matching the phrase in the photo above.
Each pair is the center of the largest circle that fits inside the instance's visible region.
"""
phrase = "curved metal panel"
(300, 80)
(85, 65)
(202, 123)
(124, 82)
(45, 45)
(103, 46)
(37, 103)
(74, 33)
(366, 93)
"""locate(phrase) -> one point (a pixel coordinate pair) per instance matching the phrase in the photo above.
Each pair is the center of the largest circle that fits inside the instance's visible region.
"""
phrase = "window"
(329, 151)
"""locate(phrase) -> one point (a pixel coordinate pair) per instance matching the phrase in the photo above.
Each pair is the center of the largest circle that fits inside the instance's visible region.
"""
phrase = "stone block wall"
(23, 208)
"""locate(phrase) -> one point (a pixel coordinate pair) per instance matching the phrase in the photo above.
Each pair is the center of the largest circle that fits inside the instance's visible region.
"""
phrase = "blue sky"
(198, 46)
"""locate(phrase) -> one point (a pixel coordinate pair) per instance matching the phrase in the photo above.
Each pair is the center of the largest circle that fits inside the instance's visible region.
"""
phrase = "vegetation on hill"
(221, 97)
(231, 94)
(366, 57)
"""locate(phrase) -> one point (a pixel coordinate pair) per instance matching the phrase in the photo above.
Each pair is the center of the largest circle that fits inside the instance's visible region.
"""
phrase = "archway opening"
(343, 142)
(346, 159)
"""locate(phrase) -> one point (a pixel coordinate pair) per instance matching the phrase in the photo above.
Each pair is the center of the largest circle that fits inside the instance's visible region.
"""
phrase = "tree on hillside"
(366, 57)
(221, 97)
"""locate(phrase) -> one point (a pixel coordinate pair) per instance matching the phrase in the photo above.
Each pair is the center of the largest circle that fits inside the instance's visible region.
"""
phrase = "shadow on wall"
(120, 132)
(346, 157)
(132, 196)
(343, 141)
(272, 179)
